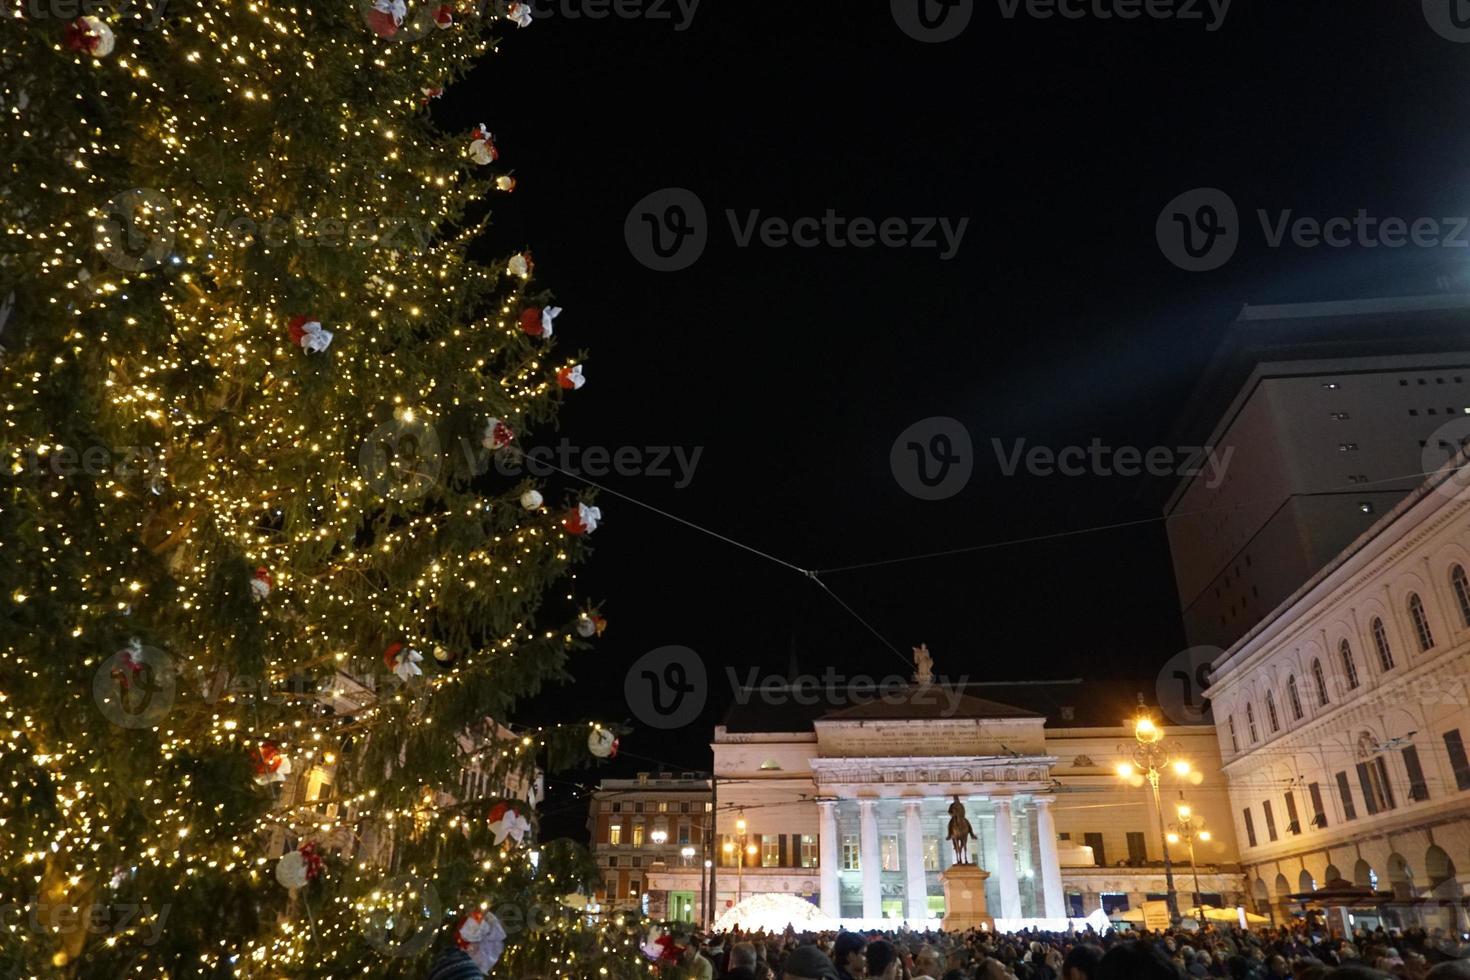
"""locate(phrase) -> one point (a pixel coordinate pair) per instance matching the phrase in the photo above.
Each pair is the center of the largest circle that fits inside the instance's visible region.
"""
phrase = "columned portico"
(870, 859)
(827, 845)
(915, 886)
(1005, 860)
(1054, 905)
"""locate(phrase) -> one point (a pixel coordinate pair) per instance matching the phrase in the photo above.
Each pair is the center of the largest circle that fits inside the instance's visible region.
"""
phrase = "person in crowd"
(1081, 962)
(807, 963)
(849, 954)
(882, 960)
(742, 962)
(1138, 960)
(927, 965)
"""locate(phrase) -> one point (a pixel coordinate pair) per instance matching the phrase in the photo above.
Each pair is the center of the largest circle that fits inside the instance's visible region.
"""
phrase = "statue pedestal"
(964, 898)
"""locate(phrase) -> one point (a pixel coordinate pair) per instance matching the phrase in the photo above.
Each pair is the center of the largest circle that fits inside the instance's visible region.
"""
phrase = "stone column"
(829, 849)
(871, 860)
(1005, 861)
(1054, 905)
(916, 885)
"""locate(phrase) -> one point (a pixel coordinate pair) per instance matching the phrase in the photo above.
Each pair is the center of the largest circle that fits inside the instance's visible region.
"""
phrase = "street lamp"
(1150, 757)
(739, 851)
(1188, 828)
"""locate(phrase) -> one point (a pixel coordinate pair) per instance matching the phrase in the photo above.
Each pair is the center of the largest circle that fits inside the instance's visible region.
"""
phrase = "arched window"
(1461, 586)
(1380, 642)
(1234, 742)
(1271, 715)
(1250, 722)
(1421, 621)
(1373, 775)
(1349, 665)
(1319, 679)
(1293, 698)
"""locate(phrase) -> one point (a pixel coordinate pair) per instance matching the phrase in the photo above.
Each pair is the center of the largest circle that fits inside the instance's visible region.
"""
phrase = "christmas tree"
(268, 606)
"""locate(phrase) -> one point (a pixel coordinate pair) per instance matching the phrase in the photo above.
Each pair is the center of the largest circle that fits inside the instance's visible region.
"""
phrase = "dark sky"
(1058, 321)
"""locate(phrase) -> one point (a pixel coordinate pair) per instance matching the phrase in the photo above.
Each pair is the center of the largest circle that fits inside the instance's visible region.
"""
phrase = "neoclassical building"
(847, 805)
(1342, 717)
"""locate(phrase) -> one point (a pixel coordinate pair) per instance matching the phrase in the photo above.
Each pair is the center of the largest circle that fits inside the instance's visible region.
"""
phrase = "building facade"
(1342, 716)
(850, 810)
(654, 826)
(1318, 416)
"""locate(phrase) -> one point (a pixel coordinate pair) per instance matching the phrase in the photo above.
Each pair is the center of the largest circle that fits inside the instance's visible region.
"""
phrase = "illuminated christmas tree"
(262, 584)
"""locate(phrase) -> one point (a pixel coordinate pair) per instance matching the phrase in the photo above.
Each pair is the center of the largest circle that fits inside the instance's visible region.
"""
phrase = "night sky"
(793, 370)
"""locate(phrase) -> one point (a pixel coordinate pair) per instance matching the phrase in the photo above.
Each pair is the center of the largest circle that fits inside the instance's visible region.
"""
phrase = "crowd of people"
(1295, 953)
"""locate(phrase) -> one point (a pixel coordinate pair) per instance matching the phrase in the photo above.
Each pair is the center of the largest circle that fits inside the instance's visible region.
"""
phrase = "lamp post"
(1150, 758)
(1188, 828)
(739, 851)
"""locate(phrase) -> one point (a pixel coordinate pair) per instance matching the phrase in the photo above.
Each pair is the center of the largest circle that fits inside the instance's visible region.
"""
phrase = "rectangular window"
(1455, 745)
(1137, 848)
(1099, 854)
(1373, 777)
(637, 835)
(1270, 819)
(1319, 812)
(617, 806)
(729, 851)
(637, 806)
(770, 851)
(635, 887)
(663, 806)
(615, 834)
(931, 853)
(683, 833)
(612, 862)
(888, 846)
(1250, 826)
(684, 806)
(1114, 902)
(808, 850)
(1418, 788)
(1345, 791)
(850, 852)
(1293, 821)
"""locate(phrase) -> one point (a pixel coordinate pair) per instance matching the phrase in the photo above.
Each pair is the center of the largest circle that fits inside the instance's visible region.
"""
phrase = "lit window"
(850, 855)
(637, 835)
(808, 850)
(931, 853)
(888, 846)
(615, 833)
(770, 851)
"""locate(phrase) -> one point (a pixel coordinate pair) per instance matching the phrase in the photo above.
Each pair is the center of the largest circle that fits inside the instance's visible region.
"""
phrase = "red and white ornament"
(431, 92)
(498, 435)
(386, 17)
(602, 743)
(129, 664)
(505, 182)
(309, 334)
(521, 265)
(271, 766)
(570, 377)
(482, 937)
(532, 500)
(536, 320)
(260, 583)
(582, 519)
(403, 661)
(90, 35)
(482, 146)
(520, 13)
(444, 17)
(589, 624)
(296, 868)
(506, 821)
